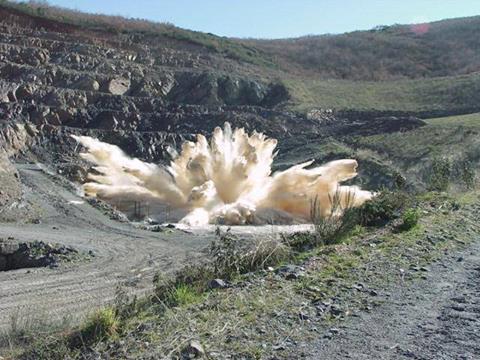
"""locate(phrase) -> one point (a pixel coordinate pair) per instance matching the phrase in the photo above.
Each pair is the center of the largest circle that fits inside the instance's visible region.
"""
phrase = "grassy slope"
(382, 156)
(452, 136)
(416, 95)
(411, 153)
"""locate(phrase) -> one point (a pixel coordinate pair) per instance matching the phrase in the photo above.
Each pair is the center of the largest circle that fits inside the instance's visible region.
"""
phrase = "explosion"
(227, 180)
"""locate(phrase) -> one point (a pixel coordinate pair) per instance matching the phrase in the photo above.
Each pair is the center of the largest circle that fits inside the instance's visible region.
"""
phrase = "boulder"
(87, 83)
(107, 120)
(38, 116)
(193, 350)
(11, 96)
(8, 248)
(35, 57)
(31, 129)
(118, 86)
(25, 91)
(65, 115)
(217, 284)
(4, 98)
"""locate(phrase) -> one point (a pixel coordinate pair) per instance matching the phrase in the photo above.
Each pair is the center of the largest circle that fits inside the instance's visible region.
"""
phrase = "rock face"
(15, 255)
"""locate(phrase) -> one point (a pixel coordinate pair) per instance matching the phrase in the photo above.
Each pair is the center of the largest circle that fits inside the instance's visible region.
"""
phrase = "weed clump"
(467, 174)
(181, 289)
(101, 325)
(229, 257)
(342, 219)
(410, 219)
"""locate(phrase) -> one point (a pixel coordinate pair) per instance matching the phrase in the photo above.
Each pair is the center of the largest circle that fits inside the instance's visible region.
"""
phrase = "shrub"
(229, 257)
(265, 252)
(341, 220)
(102, 324)
(163, 286)
(384, 207)
(467, 174)
(409, 219)
(300, 241)
(440, 173)
(226, 254)
(232, 257)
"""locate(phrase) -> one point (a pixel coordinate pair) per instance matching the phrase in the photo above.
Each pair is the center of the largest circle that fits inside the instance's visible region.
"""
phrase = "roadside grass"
(262, 312)
(27, 325)
(102, 324)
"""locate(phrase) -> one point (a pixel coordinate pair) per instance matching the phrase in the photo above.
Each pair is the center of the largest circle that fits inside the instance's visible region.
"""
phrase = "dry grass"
(342, 218)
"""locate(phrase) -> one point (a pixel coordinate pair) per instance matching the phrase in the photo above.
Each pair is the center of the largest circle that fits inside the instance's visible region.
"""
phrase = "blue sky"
(280, 18)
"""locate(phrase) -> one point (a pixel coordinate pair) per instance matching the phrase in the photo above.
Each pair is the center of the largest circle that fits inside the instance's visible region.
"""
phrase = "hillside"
(415, 68)
(443, 48)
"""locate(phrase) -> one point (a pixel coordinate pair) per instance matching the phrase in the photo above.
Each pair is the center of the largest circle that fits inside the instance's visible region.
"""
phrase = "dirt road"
(124, 255)
(434, 318)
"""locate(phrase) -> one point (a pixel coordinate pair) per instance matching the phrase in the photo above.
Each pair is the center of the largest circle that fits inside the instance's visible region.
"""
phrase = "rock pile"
(20, 255)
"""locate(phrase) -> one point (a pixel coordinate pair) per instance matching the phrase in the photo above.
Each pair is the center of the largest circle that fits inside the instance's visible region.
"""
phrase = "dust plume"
(225, 180)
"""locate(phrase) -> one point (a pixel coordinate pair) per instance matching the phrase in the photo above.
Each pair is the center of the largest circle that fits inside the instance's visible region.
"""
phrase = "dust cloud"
(225, 180)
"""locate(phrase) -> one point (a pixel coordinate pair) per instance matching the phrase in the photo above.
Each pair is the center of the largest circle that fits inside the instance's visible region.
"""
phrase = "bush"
(300, 241)
(100, 325)
(342, 219)
(383, 208)
(409, 219)
(226, 254)
(440, 173)
(467, 174)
